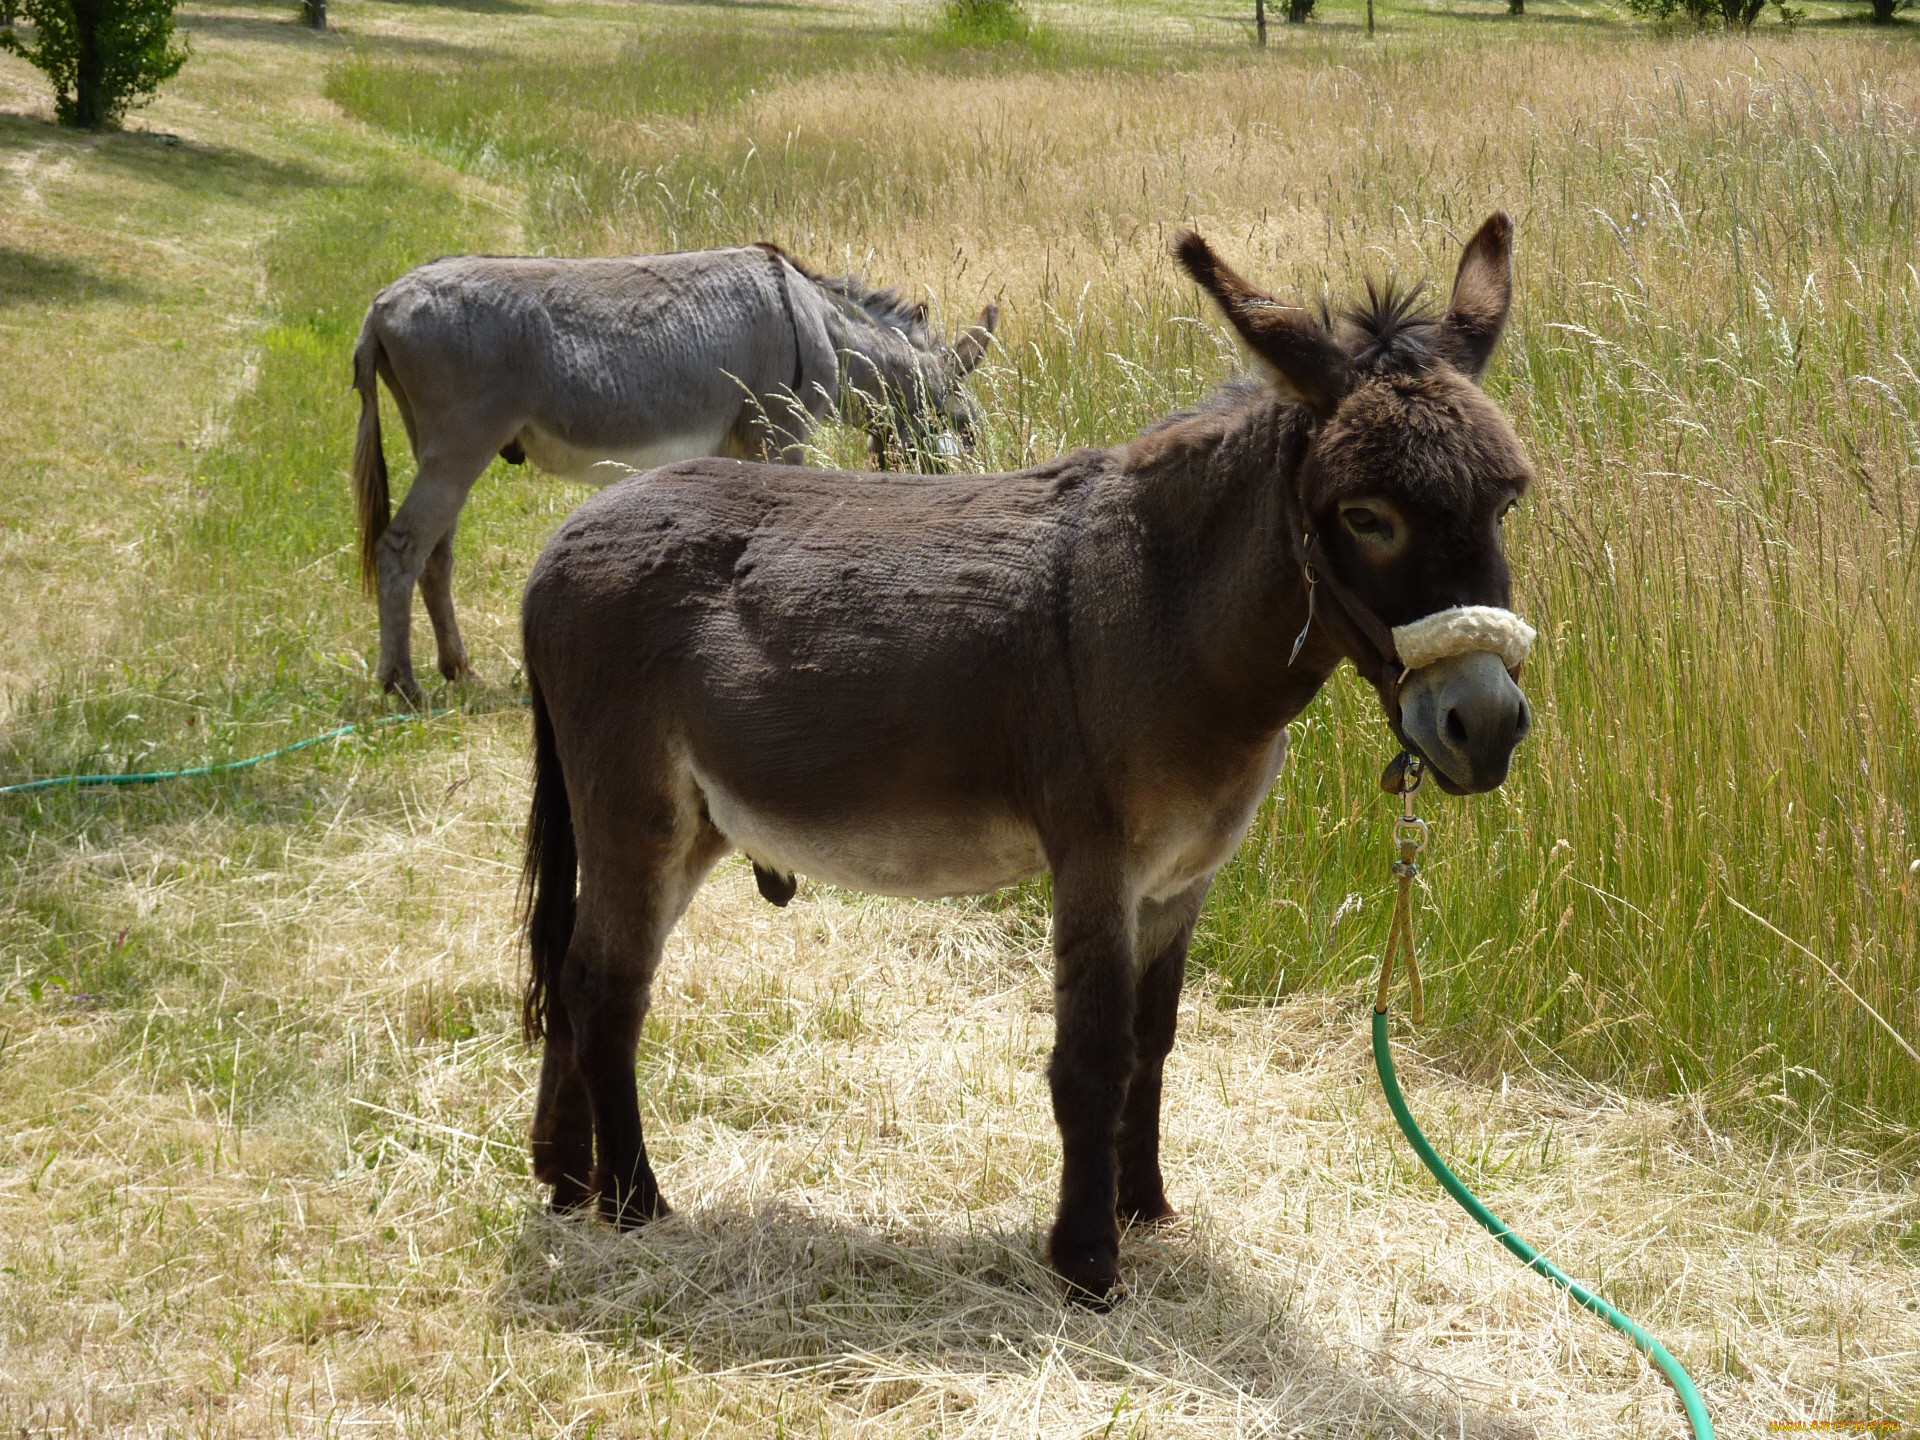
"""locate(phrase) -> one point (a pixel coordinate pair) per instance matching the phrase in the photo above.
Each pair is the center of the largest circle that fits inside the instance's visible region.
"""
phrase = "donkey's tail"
(370, 502)
(549, 874)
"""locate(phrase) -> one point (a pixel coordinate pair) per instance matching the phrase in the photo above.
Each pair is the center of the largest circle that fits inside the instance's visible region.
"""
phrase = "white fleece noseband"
(1464, 630)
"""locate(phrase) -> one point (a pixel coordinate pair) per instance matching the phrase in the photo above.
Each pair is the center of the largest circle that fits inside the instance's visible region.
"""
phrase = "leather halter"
(1318, 571)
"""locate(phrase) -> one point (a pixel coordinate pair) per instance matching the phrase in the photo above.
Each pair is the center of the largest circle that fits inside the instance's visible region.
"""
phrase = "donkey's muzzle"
(1466, 716)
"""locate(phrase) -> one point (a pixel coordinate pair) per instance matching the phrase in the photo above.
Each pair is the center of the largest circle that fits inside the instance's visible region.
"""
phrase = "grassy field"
(263, 1104)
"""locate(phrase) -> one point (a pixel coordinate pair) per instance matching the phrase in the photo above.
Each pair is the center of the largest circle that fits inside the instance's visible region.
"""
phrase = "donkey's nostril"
(1523, 722)
(1455, 729)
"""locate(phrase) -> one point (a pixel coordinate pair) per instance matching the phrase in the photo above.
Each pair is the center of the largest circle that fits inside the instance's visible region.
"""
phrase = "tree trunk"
(90, 97)
(1516, 7)
(1260, 22)
(1298, 11)
(1883, 12)
(316, 13)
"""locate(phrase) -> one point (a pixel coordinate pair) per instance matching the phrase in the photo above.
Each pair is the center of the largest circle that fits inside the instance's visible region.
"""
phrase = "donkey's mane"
(881, 304)
(1390, 332)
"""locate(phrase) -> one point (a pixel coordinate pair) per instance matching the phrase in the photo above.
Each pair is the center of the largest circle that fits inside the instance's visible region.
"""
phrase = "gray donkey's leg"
(432, 507)
(1165, 930)
(436, 588)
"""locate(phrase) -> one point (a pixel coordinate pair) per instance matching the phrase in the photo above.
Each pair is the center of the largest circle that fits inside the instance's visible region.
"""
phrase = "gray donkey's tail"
(370, 503)
(549, 875)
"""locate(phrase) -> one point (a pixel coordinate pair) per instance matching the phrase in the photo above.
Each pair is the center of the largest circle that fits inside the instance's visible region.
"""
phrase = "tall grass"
(1712, 363)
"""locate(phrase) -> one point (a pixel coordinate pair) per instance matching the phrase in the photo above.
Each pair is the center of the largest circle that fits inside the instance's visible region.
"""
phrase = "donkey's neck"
(1216, 496)
(878, 365)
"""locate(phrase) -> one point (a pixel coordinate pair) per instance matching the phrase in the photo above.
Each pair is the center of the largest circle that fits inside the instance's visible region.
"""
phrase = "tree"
(314, 12)
(1298, 11)
(103, 56)
(1734, 14)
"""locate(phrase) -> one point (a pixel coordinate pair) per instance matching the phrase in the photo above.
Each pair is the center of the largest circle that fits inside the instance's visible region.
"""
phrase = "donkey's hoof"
(1091, 1274)
(407, 688)
(459, 671)
(570, 1197)
(1155, 1211)
(1098, 1293)
(634, 1210)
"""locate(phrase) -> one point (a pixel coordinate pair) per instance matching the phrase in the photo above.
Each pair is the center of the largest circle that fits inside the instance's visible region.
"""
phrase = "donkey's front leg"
(1161, 938)
(1093, 997)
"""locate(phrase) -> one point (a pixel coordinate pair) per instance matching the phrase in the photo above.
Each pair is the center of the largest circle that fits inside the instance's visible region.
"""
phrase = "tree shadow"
(280, 26)
(784, 7)
(155, 156)
(27, 277)
(1501, 17)
(476, 7)
(785, 1290)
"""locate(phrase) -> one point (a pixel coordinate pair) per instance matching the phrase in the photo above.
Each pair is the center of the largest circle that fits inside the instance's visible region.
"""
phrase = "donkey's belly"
(603, 465)
(924, 856)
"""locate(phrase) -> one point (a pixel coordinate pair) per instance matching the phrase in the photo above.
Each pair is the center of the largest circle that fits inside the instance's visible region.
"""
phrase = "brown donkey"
(943, 687)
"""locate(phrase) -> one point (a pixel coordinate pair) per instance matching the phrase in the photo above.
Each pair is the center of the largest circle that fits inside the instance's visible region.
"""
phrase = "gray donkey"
(594, 369)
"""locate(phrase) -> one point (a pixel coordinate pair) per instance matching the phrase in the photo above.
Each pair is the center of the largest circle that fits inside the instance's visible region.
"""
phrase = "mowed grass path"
(262, 1097)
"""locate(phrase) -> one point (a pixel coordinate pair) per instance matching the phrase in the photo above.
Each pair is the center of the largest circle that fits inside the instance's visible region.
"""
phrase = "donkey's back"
(839, 673)
(595, 367)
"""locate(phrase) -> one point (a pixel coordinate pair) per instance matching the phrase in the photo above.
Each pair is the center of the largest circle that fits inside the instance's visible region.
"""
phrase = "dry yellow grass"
(849, 1111)
(276, 1182)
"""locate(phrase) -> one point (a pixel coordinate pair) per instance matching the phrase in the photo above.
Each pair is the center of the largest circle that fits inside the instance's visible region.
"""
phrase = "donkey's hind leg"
(439, 490)
(1164, 932)
(563, 1119)
(638, 872)
(436, 588)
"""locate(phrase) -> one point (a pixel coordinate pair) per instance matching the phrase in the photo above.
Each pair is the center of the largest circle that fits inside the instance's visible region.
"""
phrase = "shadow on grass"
(157, 157)
(27, 278)
(277, 24)
(475, 7)
(788, 1292)
(1563, 21)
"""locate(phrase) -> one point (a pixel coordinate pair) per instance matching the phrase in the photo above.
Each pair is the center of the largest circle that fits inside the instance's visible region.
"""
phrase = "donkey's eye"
(1366, 523)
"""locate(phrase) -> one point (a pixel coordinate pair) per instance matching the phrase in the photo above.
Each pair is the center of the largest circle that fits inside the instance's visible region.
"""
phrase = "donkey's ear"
(1482, 296)
(971, 348)
(1299, 352)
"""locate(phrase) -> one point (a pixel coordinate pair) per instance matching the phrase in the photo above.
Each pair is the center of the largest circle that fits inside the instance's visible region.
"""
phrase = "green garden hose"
(1412, 834)
(154, 777)
(1533, 1259)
